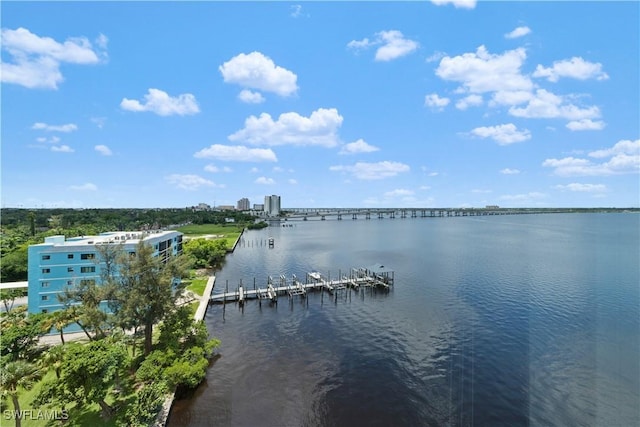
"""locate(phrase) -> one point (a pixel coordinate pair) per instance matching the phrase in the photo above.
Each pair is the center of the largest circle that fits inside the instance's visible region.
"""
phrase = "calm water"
(510, 320)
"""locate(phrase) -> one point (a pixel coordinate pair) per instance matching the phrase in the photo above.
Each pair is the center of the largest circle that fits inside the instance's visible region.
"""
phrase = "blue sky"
(327, 104)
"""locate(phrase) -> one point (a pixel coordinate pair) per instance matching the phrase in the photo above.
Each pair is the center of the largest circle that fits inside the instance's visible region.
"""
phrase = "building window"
(69, 282)
(46, 257)
(46, 270)
(91, 269)
(44, 284)
(44, 310)
(87, 282)
(69, 256)
(87, 256)
(45, 297)
(69, 269)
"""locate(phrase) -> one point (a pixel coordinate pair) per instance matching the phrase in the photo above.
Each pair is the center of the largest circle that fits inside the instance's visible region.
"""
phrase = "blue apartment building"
(60, 263)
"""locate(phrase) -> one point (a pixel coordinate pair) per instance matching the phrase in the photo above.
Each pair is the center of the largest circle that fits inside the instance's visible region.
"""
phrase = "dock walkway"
(358, 278)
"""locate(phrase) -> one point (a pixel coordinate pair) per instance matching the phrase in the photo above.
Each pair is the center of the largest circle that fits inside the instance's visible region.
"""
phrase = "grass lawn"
(197, 285)
(202, 229)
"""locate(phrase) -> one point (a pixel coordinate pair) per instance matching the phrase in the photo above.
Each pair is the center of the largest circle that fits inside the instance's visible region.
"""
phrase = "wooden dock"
(374, 277)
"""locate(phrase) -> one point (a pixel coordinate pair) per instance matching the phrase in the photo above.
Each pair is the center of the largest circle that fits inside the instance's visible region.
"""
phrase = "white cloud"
(62, 149)
(257, 71)
(462, 4)
(264, 181)
(575, 68)
(508, 171)
(296, 11)
(292, 181)
(250, 97)
(215, 169)
(621, 147)
(545, 104)
(624, 158)
(51, 140)
(99, 121)
(436, 56)
(525, 197)
(356, 147)
(84, 187)
(103, 149)
(481, 191)
(160, 103)
(188, 181)
(469, 101)
(510, 97)
(518, 32)
(395, 46)
(586, 124)
(36, 60)
(372, 171)
(583, 188)
(502, 134)
(392, 45)
(400, 192)
(434, 101)
(69, 127)
(482, 72)
(320, 129)
(236, 153)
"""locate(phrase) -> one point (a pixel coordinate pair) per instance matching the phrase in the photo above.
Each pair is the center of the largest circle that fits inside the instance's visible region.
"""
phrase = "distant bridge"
(381, 213)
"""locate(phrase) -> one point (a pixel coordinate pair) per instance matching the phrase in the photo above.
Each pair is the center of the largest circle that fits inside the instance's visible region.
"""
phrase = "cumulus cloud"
(320, 129)
(392, 45)
(69, 127)
(84, 187)
(216, 169)
(188, 181)
(575, 68)
(264, 181)
(103, 149)
(372, 171)
(583, 188)
(509, 171)
(481, 71)
(544, 104)
(399, 192)
(160, 103)
(257, 71)
(35, 61)
(236, 153)
(51, 140)
(518, 32)
(502, 134)
(62, 149)
(250, 97)
(434, 101)
(622, 158)
(469, 101)
(292, 181)
(459, 4)
(356, 147)
(621, 147)
(586, 124)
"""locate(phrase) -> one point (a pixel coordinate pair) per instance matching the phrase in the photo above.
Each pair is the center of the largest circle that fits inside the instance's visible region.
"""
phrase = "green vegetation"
(107, 380)
(198, 285)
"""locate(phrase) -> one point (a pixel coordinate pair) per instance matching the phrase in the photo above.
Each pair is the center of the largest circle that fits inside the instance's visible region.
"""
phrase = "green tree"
(20, 335)
(59, 320)
(53, 359)
(147, 289)
(15, 375)
(206, 252)
(15, 264)
(9, 296)
(89, 371)
(84, 304)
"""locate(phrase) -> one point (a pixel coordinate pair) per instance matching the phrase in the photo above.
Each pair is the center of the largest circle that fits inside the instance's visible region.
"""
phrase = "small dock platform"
(376, 276)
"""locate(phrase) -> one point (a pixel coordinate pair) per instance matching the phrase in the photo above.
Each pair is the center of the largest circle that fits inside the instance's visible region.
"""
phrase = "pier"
(377, 276)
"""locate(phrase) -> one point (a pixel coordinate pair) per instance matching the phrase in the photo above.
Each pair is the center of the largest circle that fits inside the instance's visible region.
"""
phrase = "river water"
(492, 321)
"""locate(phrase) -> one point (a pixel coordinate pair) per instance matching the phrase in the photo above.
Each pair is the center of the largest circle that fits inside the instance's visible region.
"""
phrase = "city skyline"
(434, 104)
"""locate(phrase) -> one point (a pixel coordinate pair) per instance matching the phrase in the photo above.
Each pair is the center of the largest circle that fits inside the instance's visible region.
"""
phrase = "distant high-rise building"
(243, 204)
(272, 205)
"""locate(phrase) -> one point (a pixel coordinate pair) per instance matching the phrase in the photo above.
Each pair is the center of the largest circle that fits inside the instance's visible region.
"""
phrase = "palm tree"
(53, 358)
(59, 320)
(14, 375)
